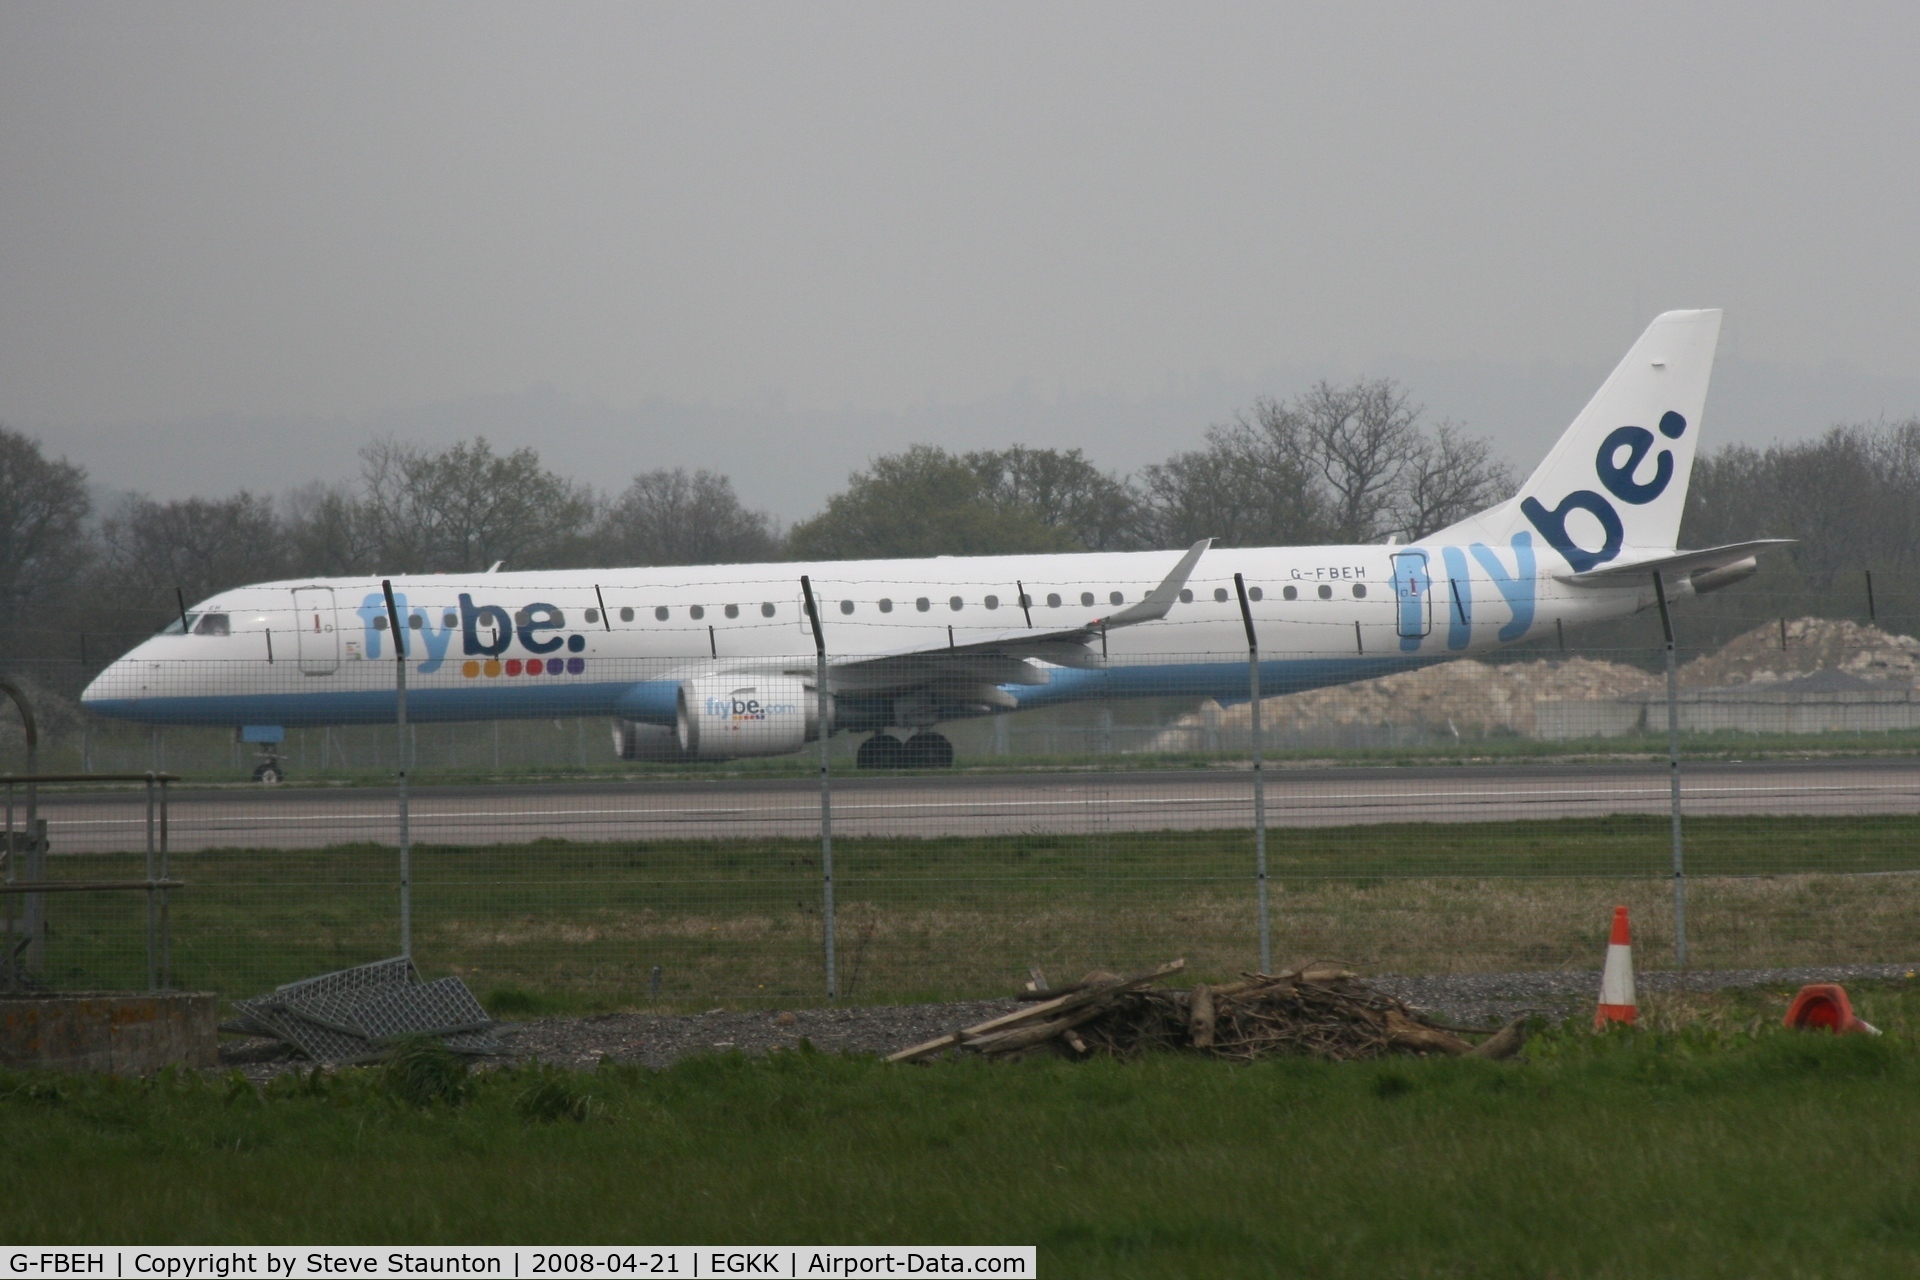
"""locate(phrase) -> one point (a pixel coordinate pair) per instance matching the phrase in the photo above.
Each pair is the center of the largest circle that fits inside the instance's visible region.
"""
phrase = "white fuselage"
(616, 642)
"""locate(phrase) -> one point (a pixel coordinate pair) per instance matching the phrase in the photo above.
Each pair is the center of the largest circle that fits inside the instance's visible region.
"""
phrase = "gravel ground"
(657, 1040)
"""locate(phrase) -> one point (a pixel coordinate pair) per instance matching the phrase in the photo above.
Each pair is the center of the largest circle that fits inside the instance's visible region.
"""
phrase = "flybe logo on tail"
(1620, 456)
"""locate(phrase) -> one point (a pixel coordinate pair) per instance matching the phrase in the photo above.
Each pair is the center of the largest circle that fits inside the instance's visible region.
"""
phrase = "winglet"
(1161, 599)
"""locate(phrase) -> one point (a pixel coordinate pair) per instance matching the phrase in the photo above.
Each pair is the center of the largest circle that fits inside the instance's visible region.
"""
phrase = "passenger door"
(314, 624)
(1413, 594)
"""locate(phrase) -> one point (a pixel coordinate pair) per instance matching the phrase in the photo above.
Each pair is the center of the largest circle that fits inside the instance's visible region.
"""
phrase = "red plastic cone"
(1824, 1006)
(1616, 980)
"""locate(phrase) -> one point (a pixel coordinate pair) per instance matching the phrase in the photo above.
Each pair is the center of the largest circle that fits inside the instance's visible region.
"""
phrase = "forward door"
(316, 632)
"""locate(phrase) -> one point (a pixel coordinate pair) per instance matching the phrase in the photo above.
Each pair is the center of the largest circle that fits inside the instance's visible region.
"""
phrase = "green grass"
(1719, 1147)
(206, 757)
(558, 926)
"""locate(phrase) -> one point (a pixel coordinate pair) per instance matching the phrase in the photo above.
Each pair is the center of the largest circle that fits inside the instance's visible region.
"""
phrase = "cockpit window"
(179, 626)
(213, 624)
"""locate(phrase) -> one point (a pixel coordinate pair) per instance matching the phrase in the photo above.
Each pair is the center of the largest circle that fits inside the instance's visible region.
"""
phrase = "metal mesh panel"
(1478, 815)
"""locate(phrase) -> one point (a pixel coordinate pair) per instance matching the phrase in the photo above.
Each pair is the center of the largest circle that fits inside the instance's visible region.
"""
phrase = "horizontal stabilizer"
(1679, 562)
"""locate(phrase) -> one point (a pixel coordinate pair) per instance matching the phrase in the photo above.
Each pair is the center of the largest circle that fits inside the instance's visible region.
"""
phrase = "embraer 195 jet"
(716, 662)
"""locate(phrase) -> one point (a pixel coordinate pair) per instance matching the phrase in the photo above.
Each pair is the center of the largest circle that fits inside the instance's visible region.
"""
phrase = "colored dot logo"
(493, 667)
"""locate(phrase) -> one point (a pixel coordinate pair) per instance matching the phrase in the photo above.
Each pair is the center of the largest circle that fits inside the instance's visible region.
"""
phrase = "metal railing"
(26, 936)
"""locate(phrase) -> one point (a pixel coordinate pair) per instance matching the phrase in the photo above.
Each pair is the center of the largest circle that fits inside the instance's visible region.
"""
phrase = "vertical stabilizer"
(1617, 480)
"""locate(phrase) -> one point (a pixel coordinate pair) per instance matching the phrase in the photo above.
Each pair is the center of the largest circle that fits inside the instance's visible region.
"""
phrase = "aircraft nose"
(114, 690)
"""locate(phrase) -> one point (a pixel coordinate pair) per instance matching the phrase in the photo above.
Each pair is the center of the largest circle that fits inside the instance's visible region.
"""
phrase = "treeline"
(1353, 463)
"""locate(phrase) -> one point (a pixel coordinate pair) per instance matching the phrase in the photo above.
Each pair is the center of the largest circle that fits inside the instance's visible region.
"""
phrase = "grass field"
(559, 925)
(209, 765)
(1708, 1144)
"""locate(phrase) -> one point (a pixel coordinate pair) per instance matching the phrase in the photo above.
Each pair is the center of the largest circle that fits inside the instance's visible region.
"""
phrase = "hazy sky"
(313, 218)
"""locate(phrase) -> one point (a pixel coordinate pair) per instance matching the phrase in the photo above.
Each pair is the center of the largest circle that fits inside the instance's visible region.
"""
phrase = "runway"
(969, 804)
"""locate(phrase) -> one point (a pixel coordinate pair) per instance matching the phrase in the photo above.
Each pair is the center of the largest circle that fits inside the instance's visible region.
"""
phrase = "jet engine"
(638, 740)
(724, 717)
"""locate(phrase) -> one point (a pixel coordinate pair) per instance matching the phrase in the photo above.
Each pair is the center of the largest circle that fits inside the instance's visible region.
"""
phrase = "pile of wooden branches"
(1319, 1011)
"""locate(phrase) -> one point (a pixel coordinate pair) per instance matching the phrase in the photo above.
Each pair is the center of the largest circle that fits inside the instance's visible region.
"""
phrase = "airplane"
(716, 662)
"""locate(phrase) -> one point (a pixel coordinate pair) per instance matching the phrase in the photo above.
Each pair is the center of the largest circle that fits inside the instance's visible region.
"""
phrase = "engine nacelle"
(724, 717)
(637, 740)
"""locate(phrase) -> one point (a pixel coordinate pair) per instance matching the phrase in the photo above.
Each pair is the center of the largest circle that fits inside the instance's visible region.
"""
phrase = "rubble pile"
(1469, 698)
(1319, 1011)
(1811, 645)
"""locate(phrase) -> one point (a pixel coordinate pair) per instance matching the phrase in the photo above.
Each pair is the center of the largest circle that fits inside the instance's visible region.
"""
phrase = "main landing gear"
(921, 751)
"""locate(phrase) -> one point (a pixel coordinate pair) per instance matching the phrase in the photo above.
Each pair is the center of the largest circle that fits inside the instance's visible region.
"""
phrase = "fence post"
(1259, 778)
(826, 784)
(400, 758)
(166, 925)
(1673, 773)
(153, 912)
(35, 924)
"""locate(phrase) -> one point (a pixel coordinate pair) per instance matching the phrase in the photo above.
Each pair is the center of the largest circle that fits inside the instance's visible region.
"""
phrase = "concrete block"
(119, 1033)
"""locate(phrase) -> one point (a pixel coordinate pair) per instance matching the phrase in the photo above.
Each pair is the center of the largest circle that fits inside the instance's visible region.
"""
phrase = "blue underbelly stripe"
(655, 701)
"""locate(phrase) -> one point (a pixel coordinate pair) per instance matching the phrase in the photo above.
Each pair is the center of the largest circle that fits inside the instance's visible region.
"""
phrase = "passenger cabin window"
(452, 619)
(380, 623)
(954, 604)
(1291, 593)
(733, 611)
(1053, 600)
(696, 612)
(1326, 592)
(1220, 595)
(1086, 598)
(766, 610)
(923, 604)
(660, 614)
(415, 621)
(846, 606)
(992, 602)
(626, 614)
(593, 615)
(1114, 597)
(1186, 595)
(1359, 591)
(886, 605)
(213, 624)
(1255, 593)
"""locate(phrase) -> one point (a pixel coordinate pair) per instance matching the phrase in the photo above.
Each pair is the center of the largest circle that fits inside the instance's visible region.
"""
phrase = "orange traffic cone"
(1616, 980)
(1824, 1006)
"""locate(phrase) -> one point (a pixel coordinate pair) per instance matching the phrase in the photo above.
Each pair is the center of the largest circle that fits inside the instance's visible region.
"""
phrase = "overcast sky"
(769, 237)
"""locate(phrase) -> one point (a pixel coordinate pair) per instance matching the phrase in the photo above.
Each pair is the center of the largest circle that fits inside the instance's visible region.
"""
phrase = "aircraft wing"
(972, 672)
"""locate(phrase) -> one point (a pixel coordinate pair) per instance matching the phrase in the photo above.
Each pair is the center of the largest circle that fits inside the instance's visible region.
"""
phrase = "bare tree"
(1063, 491)
(671, 517)
(922, 501)
(197, 546)
(329, 532)
(44, 542)
(1361, 437)
(1250, 486)
(466, 507)
(1446, 478)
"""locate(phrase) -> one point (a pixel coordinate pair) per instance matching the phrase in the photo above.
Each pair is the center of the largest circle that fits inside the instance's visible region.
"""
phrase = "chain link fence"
(1467, 816)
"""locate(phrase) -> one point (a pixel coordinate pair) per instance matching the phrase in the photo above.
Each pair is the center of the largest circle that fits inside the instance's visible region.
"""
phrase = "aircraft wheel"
(929, 751)
(268, 772)
(881, 751)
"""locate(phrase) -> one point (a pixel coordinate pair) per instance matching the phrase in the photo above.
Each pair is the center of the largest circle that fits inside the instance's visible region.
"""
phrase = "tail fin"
(1617, 480)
